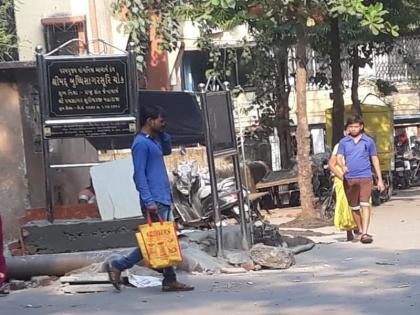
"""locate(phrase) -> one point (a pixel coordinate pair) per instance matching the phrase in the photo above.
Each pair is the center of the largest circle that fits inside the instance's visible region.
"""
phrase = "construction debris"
(232, 270)
(91, 288)
(272, 257)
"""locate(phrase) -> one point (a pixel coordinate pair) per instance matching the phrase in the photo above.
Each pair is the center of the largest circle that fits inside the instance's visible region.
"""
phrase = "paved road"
(336, 278)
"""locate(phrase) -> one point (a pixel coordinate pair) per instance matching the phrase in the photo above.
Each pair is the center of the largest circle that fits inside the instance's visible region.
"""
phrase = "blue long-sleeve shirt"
(150, 174)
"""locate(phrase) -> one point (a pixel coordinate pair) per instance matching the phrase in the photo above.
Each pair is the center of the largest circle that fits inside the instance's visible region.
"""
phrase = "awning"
(406, 120)
(184, 120)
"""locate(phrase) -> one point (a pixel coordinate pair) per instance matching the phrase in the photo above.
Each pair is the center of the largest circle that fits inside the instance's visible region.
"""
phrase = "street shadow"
(330, 279)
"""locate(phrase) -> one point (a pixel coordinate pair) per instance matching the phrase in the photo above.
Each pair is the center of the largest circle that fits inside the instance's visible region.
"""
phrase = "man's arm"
(376, 165)
(166, 143)
(140, 154)
(341, 163)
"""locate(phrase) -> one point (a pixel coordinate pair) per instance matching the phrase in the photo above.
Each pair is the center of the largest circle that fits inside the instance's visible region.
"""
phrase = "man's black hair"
(152, 112)
(354, 120)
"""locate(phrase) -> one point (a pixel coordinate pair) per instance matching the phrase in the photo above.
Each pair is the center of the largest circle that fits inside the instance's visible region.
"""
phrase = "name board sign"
(89, 96)
(220, 120)
(86, 87)
(90, 129)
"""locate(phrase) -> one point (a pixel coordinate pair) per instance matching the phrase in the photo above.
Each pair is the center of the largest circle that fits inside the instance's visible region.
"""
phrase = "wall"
(13, 192)
(30, 30)
(29, 110)
(28, 22)
(68, 182)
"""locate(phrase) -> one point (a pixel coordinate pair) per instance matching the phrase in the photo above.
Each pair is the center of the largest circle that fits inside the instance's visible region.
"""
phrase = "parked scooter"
(402, 172)
(414, 171)
(193, 199)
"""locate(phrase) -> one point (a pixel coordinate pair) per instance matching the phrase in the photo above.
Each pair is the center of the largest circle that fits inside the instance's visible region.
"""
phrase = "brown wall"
(66, 183)
(22, 181)
(13, 191)
(29, 109)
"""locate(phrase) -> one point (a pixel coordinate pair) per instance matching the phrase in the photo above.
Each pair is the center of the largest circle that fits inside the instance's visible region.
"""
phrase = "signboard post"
(221, 141)
(83, 97)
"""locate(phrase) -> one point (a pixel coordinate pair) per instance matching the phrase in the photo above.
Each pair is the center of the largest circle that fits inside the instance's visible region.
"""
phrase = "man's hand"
(345, 169)
(381, 185)
(152, 208)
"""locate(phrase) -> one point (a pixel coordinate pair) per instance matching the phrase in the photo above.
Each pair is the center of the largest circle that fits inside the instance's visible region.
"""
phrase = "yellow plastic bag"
(343, 217)
(159, 244)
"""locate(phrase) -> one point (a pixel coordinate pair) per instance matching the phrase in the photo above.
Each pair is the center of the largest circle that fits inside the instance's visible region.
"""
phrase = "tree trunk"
(356, 108)
(302, 134)
(283, 131)
(337, 83)
(282, 108)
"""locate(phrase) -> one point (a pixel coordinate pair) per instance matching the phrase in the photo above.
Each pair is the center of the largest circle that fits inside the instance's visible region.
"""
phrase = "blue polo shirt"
(357, 156)
(150, 174)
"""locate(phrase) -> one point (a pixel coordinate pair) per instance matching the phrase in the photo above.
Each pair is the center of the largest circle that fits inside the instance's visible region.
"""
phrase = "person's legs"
(358, 219)
(170, 283)
(169, 275)
(127, 261)
(365, 219)
(365, 193)
(352, 190)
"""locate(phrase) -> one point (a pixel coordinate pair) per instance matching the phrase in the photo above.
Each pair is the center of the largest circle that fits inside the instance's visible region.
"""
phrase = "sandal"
(176, 286)
(113, 275)
(357, 237)
(366, 239)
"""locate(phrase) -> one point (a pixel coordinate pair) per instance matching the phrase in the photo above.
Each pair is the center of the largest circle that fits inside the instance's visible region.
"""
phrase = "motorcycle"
(193, 200)
(402, 172)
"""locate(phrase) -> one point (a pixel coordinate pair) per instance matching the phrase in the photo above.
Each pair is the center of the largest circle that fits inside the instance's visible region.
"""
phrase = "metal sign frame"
(214, 86)
(93, 123)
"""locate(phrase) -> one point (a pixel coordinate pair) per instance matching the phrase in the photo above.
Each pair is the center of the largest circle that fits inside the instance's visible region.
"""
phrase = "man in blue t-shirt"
(152, 183)
(356, 155)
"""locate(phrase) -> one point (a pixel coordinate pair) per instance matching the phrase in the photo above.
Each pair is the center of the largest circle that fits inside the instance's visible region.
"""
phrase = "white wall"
(30, 30)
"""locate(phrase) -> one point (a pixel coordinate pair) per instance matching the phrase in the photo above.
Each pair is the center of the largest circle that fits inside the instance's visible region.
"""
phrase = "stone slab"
(81, 236)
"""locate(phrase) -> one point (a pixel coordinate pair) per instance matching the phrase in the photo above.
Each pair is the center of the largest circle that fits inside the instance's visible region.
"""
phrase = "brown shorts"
(358, 191)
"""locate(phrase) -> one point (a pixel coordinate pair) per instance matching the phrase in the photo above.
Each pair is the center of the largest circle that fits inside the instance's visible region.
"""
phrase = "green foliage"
(8, 39)
(273, 25)
(137, 20)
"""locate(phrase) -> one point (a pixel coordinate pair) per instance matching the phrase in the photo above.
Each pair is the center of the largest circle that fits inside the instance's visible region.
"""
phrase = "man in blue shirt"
(152, 183)
(356, 155)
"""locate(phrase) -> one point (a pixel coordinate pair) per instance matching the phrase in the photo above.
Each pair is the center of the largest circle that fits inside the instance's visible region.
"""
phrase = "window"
(59, 30)
(195, 63)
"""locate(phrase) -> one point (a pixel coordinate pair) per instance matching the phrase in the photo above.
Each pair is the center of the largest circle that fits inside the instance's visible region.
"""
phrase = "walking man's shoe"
(176, 286)
(114, 275)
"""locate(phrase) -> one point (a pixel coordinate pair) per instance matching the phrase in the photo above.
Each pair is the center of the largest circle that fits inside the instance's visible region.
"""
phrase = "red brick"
(63, 212)
(16, 252)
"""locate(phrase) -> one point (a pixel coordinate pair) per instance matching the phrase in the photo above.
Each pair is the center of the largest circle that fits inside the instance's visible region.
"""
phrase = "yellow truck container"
(378, 121)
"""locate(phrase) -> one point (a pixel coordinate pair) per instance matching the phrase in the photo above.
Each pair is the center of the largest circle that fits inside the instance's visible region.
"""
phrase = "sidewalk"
(335, 278)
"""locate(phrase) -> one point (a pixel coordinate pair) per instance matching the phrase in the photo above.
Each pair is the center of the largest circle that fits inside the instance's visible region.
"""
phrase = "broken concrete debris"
(272, 257)
(237, 257)
(90, 288)
(232, 270)
(84, 273)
